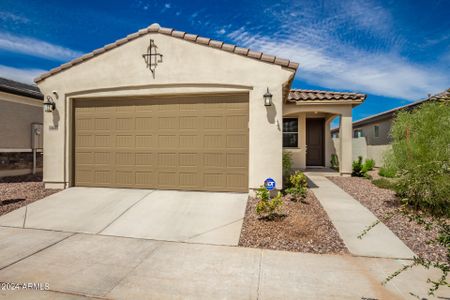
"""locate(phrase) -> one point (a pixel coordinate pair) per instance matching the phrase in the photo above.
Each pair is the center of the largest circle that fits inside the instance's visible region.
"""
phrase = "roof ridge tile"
(156, 28)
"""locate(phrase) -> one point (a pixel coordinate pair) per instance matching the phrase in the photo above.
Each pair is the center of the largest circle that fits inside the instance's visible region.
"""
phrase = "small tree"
(287, 166)
(298, 185)
(268, 208)
(421, 155)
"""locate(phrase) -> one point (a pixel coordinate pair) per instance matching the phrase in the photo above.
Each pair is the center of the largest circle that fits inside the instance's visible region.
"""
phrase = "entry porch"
(307, 116)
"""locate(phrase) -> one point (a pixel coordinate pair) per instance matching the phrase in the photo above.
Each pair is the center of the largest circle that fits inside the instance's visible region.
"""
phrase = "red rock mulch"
(306, 228)
(19, 191)
(382, 203)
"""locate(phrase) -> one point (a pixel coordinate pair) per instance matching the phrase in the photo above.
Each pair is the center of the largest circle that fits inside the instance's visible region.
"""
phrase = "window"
(290, 133)
(376, 131)
(357, 133)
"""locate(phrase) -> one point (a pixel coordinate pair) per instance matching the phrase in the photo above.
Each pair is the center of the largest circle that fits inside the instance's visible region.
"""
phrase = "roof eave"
(155, 28)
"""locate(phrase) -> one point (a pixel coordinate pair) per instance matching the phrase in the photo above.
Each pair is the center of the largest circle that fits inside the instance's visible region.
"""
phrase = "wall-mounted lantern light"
(49, 105)
(267, 98)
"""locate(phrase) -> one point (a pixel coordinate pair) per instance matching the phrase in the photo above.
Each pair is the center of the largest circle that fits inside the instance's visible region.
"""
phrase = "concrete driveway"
(199, 217)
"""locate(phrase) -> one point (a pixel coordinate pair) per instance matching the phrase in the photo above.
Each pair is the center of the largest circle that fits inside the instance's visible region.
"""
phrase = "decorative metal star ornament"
(152, 57)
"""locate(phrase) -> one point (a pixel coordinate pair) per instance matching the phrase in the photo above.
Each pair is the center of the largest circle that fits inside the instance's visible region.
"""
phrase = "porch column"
(302, 139)
(345, 143)
(328, 141)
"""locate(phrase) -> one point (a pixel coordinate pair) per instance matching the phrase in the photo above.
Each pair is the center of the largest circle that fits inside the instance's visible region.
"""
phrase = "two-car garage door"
(185, 142)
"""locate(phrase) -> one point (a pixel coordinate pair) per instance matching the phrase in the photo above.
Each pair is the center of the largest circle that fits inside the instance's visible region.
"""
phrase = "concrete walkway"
(81, 266)
(350, 218)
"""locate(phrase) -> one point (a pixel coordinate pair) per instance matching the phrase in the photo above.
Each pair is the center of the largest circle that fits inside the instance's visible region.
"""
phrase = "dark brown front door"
(315, 142)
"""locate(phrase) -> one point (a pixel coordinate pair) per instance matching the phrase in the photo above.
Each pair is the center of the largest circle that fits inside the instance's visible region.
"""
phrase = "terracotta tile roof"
(19, 88)
(325, 96)
(155, 28)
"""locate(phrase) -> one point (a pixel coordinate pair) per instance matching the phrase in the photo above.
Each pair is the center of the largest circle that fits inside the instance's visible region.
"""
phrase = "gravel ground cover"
(306, 228)
(382, 203)
(19, 191)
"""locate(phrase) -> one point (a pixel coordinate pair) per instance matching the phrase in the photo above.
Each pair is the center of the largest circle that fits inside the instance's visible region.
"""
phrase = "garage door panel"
(239, 141)
(85, 140)
(187, 159)
(103, 176)
(191, 143)
(168, 122)
(214, 122)
(103, 140)
(145, 141)
(190, 123)
(125, 123)
(168, 179)
(236, 180)
(237, 122)
(145, 159)
(102, 158)
(125, 141)
(190, 180)
(125, 178)
(167, 159)
(125, 159)
(214, 180)
(214, 160)
(214, 141)
(145, 179)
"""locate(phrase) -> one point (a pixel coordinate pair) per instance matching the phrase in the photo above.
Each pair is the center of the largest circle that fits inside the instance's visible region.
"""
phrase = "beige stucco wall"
(361, 148)
(186, 68)
(17, 113)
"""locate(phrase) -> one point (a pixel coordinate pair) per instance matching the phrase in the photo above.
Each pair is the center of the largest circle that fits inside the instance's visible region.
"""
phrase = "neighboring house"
(371, 135)
(20, 127)
(166, 109)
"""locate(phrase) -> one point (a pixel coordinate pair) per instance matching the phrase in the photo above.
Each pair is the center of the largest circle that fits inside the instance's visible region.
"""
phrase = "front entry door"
(315, 142)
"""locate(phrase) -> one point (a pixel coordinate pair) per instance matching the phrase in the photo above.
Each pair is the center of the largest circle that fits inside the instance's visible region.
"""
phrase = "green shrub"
(369, 164)
(287, 166)
(334, 162)
(421, 154)
(385, 184)
(358, 168)
(387, 171)
(299, 185)
(268, 208)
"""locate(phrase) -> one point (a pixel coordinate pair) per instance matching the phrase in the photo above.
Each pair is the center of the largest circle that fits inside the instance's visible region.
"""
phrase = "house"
(371, 135)
(20, 127)
(166, 109)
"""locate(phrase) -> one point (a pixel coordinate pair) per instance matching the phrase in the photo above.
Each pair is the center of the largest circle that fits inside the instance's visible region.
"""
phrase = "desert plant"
(287, 165)
(298, 185)
(421, 154)
(358, 168)
(384, 183)
(334, 162)
(369, 164)
(388, 172)
(268, 208)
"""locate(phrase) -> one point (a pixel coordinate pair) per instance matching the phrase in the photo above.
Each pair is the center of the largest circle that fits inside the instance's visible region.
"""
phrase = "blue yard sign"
(270, 184)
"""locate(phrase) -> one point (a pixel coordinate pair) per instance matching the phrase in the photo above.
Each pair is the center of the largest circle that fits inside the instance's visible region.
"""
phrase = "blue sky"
(394, 51)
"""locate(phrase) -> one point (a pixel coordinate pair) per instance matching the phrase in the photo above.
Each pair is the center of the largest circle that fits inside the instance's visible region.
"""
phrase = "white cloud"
(35, 47)
(22, 75)
(7, 16)
(330, 59)
(167, 5)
